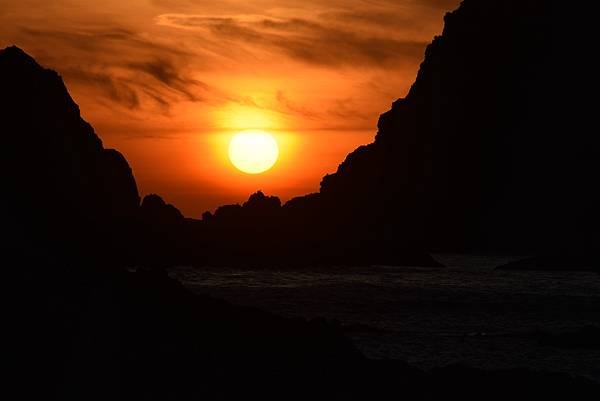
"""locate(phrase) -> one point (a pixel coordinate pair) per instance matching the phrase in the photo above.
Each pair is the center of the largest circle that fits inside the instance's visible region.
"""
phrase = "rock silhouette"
(586, 337)
(554, 261)
(470, 158)
(155, 210)
(64, 191)
(262, 233)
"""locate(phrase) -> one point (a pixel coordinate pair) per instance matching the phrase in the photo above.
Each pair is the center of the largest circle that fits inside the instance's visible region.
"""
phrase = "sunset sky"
(169, 82)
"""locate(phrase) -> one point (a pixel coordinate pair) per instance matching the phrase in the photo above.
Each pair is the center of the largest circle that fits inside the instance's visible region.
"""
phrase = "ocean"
(467, 313)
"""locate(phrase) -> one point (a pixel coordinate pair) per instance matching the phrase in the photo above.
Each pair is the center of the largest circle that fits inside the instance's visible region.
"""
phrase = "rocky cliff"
(478, 154)
(60, 185)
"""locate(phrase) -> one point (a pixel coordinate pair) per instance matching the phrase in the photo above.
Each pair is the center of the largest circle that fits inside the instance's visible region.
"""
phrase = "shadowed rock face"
(155, 210)
(477, 154)
(60, 183)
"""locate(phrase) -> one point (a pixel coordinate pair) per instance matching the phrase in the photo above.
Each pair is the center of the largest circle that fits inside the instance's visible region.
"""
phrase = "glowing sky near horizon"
(170, 82)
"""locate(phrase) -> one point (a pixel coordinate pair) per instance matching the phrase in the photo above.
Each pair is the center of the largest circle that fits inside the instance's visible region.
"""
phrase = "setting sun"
(253, 152)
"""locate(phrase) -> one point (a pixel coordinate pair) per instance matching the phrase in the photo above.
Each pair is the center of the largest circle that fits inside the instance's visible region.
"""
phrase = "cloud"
(304, 40)
(165, 72)
(115, 90)
(288, 106)
(125, 62)
(439, 4)
(120, 65)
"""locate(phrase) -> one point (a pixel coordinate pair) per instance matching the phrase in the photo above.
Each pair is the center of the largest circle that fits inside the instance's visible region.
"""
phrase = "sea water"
(465, 313)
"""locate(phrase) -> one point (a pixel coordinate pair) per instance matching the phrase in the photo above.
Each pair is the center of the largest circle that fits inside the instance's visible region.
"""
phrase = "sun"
(253, 152)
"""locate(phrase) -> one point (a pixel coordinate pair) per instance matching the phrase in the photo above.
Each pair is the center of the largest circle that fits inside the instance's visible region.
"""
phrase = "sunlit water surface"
(466, 313)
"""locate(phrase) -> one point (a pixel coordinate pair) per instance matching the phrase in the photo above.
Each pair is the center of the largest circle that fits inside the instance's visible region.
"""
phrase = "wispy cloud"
(120, 64)
(287, 105)
(309, 41)
(118, 91)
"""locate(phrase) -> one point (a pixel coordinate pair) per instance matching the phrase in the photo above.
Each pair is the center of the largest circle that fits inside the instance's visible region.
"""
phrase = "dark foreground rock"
(554, 262)
(586, 338)
(142, 336)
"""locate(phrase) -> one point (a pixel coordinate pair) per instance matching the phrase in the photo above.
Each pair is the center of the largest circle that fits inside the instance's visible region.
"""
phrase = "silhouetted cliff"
(477, 156)
(63, 191)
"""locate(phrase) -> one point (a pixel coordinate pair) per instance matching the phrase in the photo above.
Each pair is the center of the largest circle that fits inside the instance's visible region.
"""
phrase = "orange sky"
(168, 82)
